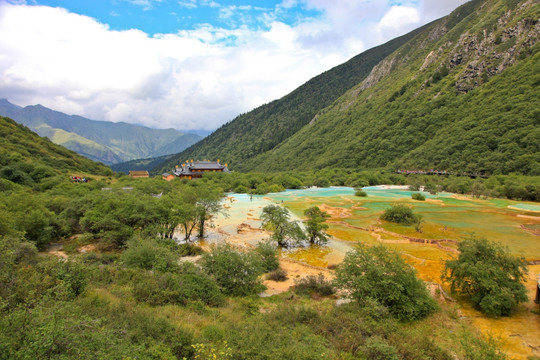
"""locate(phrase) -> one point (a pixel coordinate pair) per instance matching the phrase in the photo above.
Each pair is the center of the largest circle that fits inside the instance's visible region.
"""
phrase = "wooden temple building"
(136, 174)
(194, 170)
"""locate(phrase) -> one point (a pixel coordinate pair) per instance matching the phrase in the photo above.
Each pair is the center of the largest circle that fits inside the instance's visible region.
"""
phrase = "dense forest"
(460, 95)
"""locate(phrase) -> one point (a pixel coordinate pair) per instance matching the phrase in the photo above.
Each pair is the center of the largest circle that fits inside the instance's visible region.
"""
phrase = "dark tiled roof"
(206, 165)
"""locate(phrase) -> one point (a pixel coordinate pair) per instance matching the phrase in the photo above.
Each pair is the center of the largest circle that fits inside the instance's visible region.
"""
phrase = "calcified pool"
(449, 218)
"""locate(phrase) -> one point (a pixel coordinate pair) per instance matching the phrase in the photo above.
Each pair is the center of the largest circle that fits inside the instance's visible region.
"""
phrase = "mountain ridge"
(103, 141)
(268, 125)
(417, 106)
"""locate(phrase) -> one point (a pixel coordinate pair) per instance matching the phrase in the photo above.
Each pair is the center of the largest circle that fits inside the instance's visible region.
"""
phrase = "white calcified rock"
(340, 302)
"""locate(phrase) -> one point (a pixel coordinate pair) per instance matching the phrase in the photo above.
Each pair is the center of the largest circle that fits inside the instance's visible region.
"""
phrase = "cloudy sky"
(185, 64)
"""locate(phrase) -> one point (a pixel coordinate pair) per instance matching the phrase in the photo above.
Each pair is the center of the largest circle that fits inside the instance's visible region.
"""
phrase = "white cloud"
(145, 4)
(189, 80)
(190, 4)
(398, 20)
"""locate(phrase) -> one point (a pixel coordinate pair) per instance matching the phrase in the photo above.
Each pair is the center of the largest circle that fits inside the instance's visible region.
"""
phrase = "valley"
(449, 218)
(306, 239)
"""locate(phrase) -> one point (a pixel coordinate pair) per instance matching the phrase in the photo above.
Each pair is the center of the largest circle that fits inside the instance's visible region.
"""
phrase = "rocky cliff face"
(416, 109)
(490, 52)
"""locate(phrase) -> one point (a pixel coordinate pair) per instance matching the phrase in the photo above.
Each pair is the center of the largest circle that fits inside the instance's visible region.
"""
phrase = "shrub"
(149, 254)
(312, 284)
(180, 289)
(268, 254)
(189, 249)
(489, 275)
(381, 274)
(481, 349)
(399, 214)
(360, 192)
(263, 338)
(235, 272)
(418, 196)
(277, 275)
(376, 348)
(241, 189)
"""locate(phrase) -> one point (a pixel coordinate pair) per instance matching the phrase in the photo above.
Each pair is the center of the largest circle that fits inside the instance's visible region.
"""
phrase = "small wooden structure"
(136, 174)
(167, 176)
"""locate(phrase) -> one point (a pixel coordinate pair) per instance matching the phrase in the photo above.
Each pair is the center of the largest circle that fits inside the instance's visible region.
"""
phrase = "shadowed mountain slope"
(260, 130)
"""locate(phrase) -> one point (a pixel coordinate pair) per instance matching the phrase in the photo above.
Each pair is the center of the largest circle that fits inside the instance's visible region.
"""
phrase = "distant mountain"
(141, 164)
(102, 141)
(459, 94)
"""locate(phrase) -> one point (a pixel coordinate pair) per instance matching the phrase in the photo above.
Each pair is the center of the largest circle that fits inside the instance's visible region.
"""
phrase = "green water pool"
(446, 215)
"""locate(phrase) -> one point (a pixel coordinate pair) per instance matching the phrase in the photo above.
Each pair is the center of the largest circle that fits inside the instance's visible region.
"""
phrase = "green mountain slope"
(466, 102)
(461, 95)
(262, 129)
(25, 157)
(99, 140)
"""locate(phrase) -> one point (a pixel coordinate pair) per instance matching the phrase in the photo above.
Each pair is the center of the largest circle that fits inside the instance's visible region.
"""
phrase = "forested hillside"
(260, 130)
(103, 141)
(26, 158)
(462, 95)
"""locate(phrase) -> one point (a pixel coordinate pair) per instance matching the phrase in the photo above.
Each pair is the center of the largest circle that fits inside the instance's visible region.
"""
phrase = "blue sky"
(169, 16)
(186, 64)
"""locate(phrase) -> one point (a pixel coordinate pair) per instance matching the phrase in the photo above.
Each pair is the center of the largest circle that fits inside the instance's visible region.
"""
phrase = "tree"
(380, 274)
(399, 214)
(207, 205)
(360, 192)
(237, 273)
(315, 225)
(489, 275)
(419, 223)
(276, 219)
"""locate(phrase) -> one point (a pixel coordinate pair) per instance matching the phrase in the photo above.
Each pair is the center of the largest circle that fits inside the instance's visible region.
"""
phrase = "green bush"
(418, 196)
(189, 249)
(376, 348)
(263, 338)
(381, 274)
(360, 192)
(400, 214)
(490, 275)
(149, 254)
(277, 275)
(190, 285)
(312, 284)
(482, 349)
(241, 189)
(235, 272)
(268, 254)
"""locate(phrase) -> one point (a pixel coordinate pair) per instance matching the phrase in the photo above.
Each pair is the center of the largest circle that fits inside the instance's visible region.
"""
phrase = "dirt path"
(296, 270)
